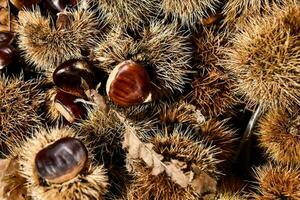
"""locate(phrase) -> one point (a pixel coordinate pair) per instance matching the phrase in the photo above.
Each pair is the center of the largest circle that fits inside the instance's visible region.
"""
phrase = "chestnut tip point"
(129, 84)
(62, 160)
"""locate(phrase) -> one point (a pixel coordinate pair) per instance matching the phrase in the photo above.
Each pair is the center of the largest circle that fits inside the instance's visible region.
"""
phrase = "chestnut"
(73, 76)
(6, 37)
(61, 161)
(64, 20)
(61, 5)
(7, 53)
(129, 84)
(65, 104)
(21, 4)
(213, 19)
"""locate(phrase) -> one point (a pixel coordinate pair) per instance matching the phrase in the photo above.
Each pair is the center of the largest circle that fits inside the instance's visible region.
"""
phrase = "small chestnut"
(65, 104)
(61, 161)
(21, 4)
(213, 19)
(7, 53)
(6, 37)
(61, 5)
(129, 84)
(64, 20)
(73, 75)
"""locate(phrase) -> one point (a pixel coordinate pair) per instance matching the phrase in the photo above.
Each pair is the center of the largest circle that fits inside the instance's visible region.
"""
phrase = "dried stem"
(249, 130)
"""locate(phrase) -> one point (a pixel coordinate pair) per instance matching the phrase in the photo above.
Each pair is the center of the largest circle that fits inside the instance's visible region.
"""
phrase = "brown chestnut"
(213, 19)
(21, 4)
(65, 104)
(64, 20)
(7, 53)
(6, 37)
(61, 161)
(129, 84)
(61, 5)
(73, 76)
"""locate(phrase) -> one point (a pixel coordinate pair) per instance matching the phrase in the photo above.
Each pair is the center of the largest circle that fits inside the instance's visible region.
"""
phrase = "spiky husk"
(46, 46)
(180, 113)
(162, 50)
(219, 134)
(212, 91)
(277, 182)
(189, 12)
(208, 51)
(213, 94)
(230, 196)
(52, 114)
(128, 13)
(232, 186)
(238, 11)
(146, 111)
(279, 135)
(105, 131)
(104, 128)
(177, 145)
(90, 184)
(215, 132)
(264, 58)
(19, 102)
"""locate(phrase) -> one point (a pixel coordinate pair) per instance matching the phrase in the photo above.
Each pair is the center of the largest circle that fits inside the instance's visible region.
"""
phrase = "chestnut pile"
(149, 99)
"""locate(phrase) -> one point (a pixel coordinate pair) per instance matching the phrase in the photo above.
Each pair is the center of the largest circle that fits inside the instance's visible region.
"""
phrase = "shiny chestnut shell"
(129, 84)
(70, 74)
(61, 161)
(7, 53)
(60, 5)
(65, 104)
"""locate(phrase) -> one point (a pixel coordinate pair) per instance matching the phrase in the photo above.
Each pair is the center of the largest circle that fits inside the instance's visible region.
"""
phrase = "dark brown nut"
(21, 4)
(129, 84)
(7, 53)
(6, 37)
(74, 76)
(61, 5)
(61, 161)
(65, 104)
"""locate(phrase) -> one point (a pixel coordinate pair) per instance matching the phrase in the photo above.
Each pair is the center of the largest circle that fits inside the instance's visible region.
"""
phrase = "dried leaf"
(3, 3)
(11, 184)
(196, 113)
(84, 85)
(177, 175)
(4, 16)
(4, 163)
(204, 183)
(200, 181)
